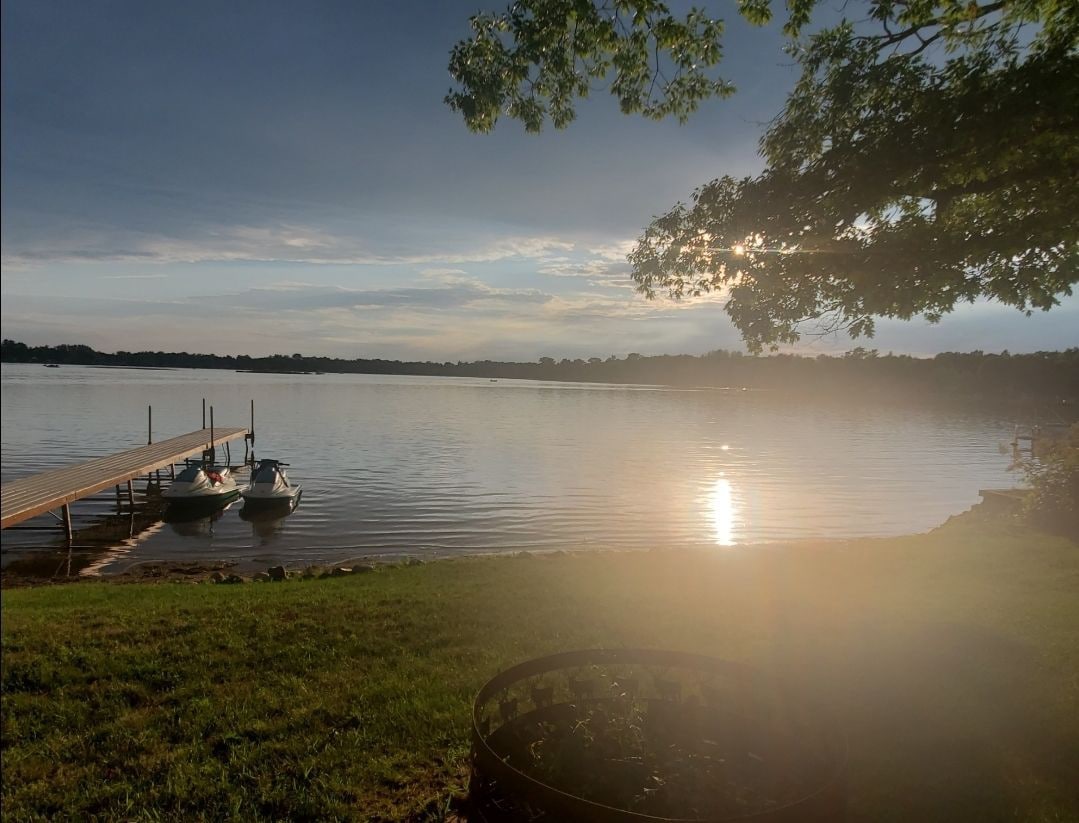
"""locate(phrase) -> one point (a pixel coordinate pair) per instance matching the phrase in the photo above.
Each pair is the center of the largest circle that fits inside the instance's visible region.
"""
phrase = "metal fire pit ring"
(500, 792)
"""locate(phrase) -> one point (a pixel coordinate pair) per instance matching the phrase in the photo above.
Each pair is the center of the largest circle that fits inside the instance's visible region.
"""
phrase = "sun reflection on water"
(723, 512)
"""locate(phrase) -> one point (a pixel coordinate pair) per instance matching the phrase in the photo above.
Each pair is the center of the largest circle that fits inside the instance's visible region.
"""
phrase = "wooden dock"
(56, 489)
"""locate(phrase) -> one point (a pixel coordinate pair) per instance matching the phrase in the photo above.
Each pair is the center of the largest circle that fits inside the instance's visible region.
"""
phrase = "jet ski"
(270, 485)
(201, 484)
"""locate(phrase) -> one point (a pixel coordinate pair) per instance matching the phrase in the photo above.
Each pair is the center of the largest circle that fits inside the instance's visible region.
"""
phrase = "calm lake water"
(417, 466)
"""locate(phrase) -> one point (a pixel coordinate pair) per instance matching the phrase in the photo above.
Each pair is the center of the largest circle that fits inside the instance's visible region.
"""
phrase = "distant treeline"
(1042, 378)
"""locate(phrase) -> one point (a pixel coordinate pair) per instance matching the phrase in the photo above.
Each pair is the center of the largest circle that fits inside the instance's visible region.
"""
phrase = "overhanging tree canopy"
(927, 155)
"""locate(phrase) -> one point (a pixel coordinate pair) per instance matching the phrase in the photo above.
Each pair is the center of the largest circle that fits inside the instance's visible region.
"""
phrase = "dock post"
(204, 412)
(250, 438)
(149, 425)
(131, 494)
(67, 523)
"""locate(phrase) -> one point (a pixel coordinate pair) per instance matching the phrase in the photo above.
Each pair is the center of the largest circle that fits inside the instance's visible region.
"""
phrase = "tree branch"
(894, 38)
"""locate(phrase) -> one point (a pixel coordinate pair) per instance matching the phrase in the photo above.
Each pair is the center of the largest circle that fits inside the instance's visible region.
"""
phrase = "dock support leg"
(67, 523)
(119, 504)
(131, 494)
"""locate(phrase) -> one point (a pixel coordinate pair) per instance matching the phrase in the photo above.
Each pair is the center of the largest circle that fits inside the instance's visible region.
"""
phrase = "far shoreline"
(1045, 381)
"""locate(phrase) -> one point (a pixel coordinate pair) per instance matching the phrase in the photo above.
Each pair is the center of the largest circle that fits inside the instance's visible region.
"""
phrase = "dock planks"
(30, 496)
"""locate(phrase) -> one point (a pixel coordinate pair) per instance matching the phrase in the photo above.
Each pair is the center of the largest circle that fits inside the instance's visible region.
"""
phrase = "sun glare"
(723, 512)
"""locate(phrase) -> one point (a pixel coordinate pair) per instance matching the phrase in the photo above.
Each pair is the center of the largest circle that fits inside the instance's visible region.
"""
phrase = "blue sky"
(289, 173)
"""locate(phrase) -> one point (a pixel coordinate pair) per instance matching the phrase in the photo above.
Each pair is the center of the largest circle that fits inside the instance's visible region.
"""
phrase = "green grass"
(951, 658)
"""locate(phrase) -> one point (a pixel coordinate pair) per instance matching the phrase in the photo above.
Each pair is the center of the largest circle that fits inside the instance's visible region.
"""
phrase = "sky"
(254, 178)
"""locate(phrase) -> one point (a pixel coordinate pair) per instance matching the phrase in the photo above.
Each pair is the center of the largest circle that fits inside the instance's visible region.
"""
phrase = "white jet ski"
(198, 483)
(270, 484)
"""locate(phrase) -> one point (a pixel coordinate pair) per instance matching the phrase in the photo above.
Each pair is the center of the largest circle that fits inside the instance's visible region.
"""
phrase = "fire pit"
(644, 735)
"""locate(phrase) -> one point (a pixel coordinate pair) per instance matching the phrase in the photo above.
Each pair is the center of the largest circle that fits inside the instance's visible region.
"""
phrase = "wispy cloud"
(275, 244)
(303, 297)
(616, 251)
(134, 276)
(442, 275)
(565, 267)
(597, 267)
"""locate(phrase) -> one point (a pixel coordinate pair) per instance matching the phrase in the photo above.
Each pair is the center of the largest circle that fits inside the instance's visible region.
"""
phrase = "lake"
(429, 466)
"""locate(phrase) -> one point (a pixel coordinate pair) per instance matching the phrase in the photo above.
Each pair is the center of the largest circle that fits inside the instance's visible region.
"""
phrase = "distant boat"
(202, 485)
(51, 366)
(270, 485)
(493, 380)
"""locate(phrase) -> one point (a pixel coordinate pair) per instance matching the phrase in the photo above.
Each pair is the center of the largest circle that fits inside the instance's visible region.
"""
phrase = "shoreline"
(238, 571)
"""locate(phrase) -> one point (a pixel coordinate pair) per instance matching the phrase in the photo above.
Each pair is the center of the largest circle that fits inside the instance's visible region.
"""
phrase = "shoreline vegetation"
(951, 659)
(1043, 382)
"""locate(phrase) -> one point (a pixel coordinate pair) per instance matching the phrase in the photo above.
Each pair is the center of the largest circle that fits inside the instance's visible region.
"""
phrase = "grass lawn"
(952, 659)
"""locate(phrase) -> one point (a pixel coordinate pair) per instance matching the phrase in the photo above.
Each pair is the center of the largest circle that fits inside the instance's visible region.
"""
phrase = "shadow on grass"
(943, 720)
